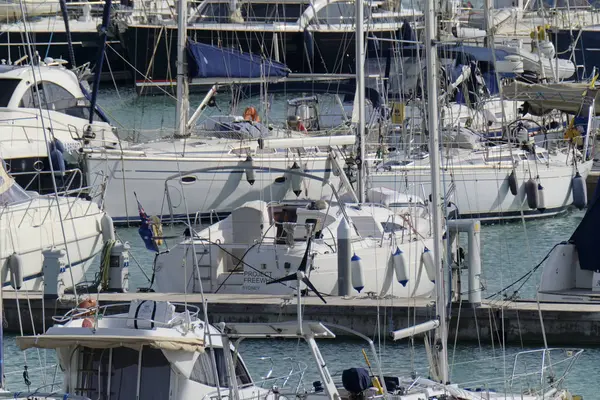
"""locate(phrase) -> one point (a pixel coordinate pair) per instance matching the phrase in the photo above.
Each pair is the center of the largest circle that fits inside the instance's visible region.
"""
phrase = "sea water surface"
(508, 252)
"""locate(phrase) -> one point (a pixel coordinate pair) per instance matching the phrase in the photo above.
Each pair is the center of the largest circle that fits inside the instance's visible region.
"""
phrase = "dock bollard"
(53, 267)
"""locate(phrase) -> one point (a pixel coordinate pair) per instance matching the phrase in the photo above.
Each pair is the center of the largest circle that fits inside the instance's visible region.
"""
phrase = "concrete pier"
(592, 182)
(512, 322)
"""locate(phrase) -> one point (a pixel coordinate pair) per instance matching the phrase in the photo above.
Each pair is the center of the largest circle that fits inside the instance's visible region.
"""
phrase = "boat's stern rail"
(107, 315)
(555, 364)
(70, 200)
(69, 179)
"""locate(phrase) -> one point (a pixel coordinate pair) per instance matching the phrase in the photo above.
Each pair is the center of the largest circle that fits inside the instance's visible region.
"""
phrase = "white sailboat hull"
(199, 193)
(272, 261)
(30, 227)
(483, 192)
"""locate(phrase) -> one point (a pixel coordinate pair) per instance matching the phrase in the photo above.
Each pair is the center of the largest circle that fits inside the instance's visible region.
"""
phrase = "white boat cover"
(191, 344)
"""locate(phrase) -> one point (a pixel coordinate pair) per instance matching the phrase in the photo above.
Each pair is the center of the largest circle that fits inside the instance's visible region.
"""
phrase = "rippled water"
(508, 252)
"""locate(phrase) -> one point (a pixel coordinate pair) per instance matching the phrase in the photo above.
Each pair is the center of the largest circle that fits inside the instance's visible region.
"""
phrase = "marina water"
(508, 252)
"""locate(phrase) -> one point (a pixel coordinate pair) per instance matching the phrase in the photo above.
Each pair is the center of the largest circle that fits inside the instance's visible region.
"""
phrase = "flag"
(145, 231)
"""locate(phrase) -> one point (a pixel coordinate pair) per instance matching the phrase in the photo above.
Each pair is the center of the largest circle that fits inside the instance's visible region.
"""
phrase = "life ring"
(157, 230)
(250, 114)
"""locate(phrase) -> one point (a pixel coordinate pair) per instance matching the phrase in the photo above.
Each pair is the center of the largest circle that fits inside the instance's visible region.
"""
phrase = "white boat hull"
(483, 192)
(264, 263)
(29, 228)
(199, 193)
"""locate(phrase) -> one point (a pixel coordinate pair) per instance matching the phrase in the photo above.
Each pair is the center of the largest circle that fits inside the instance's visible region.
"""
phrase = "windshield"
(7, 88)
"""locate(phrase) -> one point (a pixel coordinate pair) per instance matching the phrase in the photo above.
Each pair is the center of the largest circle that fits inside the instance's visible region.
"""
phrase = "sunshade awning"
(571, 98)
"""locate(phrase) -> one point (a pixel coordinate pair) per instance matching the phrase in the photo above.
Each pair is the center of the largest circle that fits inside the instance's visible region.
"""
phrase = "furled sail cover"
(206, 61)
(586, 239)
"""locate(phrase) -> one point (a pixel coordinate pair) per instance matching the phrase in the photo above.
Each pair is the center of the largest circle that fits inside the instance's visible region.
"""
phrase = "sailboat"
(440, 383)
(139, 170)
(488, 178)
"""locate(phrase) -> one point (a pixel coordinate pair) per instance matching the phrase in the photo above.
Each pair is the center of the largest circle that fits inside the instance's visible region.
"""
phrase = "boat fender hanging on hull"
(358, 277)
(250, 177)
(57, 157)
(579, 191)
(513, 184)
(15, 266)
(531, 191)
(541, 206)
(427, 260)
(400, 267)
(108, 228)
(296, 179)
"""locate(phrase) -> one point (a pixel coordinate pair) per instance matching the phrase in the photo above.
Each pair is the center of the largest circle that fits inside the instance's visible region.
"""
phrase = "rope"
(105, 262)
(526, 276)
(102, 277)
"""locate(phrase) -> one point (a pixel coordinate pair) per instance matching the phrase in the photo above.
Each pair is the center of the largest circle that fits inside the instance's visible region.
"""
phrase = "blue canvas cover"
(206, 61)
(587, 240)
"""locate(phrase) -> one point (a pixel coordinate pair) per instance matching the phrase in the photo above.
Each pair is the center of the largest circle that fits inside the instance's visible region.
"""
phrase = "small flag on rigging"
(147, 229)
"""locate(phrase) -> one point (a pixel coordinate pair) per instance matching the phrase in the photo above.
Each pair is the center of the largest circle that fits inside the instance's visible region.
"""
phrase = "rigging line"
(112, 76)
(55, 187)
(528, 274)
(235, 269)
(455, 338)
(33, 329)
(147, 78)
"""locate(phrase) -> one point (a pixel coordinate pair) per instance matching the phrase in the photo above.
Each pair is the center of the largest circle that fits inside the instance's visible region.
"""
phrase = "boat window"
(391, 227)
(13, 194)
(94, 367)
(341, 12)
(52, 96)
(7, 88)
(215, 12)
(336, 13)
(272, 12)
(541, 156)
(367, 226)
(203, 371)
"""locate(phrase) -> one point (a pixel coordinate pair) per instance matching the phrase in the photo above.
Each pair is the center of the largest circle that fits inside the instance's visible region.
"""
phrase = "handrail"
(77, 313)
(300, 372)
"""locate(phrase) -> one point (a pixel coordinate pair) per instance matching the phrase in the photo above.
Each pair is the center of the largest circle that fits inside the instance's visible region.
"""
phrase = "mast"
(100, 60)
(182, 87)
(360, 91)
(434, 159)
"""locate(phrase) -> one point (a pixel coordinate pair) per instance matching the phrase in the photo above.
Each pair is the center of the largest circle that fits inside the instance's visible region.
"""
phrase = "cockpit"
(19, 91)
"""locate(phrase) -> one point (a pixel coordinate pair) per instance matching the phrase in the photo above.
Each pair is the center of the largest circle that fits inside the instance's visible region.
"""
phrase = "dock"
(592, 183)
(496, 321)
